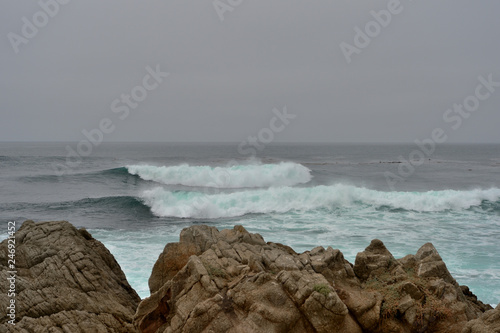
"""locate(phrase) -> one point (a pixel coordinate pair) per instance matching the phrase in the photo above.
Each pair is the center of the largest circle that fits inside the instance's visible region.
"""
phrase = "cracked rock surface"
(233, 281)
(67, 281)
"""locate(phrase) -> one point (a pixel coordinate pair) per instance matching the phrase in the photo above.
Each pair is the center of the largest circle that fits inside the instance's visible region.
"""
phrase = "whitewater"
(287, 199)
(236, 176)
(136, 198)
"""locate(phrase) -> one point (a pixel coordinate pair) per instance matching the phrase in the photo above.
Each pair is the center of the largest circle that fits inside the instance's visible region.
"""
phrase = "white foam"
(285, 199)
(239, 176)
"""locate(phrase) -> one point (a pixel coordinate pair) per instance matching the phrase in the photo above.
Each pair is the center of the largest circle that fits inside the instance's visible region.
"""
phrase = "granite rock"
(67, 281)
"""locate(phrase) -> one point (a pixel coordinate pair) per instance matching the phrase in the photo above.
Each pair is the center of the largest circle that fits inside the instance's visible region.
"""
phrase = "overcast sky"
(227, 76)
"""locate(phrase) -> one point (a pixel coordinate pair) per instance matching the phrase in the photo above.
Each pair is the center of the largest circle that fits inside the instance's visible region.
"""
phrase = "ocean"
(137, 197)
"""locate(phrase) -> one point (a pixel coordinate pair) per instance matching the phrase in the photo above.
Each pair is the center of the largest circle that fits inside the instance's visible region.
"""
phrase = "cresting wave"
(183, 204)
(238, 176)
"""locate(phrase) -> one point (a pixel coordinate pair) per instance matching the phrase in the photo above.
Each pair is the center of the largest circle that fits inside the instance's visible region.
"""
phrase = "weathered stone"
(419, 289)
(488, 322)
(365, 306)
(169, 263)
(233, 281)
(254, 287)
(331, 264)
(473, 299)
(66, 282)
(405, 303)
(375, 260)
(430, 264)
(408, 262)
(238, 283)
(412, 290)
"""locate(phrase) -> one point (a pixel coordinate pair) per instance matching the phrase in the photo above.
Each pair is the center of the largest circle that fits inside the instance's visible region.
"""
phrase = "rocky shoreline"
(232, 281)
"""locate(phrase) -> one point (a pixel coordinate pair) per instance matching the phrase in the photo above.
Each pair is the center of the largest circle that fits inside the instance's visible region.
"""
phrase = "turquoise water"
(135, 198)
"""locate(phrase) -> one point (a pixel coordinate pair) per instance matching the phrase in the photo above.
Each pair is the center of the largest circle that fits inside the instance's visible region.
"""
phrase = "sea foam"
(238, 176)
(286, 199)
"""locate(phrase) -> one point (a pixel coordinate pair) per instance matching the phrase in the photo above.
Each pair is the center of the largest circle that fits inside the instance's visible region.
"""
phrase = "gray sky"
(227, 76)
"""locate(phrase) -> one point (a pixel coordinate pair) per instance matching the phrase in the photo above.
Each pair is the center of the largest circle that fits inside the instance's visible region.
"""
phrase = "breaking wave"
(239, 176)
(184, 204)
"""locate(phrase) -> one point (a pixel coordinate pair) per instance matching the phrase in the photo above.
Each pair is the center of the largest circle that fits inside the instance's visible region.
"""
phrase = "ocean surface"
(137, 197)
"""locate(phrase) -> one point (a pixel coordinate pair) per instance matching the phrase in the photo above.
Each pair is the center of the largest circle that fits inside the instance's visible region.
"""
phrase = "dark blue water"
(136, 197)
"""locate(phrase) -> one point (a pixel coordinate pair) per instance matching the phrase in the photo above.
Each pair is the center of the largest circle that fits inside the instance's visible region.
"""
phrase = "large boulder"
(236, 282)
(66, 282)
(233, 281)
(418, 293)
